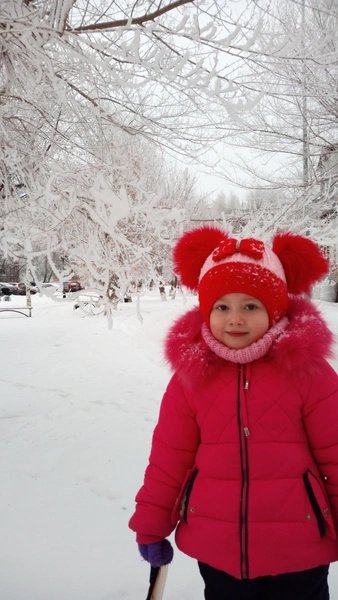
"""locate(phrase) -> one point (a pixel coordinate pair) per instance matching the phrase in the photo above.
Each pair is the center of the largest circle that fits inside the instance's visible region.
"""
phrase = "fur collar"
(298, 352)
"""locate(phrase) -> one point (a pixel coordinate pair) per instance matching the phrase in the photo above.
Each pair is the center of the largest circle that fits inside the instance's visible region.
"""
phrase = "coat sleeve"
(174, 445)
(320, 416)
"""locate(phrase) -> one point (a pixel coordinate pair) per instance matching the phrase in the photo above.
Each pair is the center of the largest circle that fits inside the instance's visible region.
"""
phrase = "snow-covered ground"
(78, 406)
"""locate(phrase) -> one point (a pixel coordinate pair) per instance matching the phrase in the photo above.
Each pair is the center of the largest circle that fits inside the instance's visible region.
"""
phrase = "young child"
(244, 456)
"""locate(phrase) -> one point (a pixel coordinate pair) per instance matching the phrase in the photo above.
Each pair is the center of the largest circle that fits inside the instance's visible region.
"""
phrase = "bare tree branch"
(133, 21)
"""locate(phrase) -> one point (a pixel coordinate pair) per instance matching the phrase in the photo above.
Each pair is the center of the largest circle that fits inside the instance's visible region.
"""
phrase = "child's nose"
(236, 317)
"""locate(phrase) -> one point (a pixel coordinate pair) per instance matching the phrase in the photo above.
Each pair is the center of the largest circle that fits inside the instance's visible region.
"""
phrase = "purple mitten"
(157, 554)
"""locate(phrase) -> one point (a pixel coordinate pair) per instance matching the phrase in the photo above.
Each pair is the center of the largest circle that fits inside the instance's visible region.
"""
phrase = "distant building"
(327, 174)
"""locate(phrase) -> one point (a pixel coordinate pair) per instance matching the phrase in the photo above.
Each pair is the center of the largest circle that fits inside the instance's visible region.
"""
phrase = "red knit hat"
(208, 260)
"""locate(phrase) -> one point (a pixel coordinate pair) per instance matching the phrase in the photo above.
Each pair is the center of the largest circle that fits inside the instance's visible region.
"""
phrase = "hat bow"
(249, 246)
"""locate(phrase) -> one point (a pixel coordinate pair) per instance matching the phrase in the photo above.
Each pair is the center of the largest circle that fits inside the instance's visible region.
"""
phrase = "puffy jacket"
(253, 500)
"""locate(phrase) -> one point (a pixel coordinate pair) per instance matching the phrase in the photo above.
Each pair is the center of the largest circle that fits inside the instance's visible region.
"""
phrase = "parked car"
(15, 286)
(22, 288)
(71, 286)
(8, 289)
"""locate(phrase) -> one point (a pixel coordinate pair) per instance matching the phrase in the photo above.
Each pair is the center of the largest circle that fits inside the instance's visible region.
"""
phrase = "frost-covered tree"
(186, 75)
(121, 229)
(74, 75)
(288, 142)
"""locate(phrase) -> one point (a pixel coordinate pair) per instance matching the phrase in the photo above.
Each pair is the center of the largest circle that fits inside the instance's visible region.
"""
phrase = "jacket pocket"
(319, 504)
(181, 503)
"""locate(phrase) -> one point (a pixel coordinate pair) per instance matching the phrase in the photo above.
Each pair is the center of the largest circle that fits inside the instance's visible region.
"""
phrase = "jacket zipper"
(314, 502)
(187, 494)
(243, 437)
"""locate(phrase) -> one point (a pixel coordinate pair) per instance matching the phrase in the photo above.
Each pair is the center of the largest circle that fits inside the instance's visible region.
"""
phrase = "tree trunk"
(28, 289)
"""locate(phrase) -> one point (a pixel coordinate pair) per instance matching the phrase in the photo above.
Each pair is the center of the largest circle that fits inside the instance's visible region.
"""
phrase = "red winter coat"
(262, 504)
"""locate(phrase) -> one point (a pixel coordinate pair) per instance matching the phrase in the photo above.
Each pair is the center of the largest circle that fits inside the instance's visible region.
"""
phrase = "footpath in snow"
(78, 406)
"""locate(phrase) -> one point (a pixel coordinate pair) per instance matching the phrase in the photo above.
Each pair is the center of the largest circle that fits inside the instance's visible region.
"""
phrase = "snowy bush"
(325, 290)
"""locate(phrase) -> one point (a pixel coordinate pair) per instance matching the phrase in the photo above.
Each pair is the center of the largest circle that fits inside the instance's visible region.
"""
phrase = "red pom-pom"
(192, 250)
(302, 261)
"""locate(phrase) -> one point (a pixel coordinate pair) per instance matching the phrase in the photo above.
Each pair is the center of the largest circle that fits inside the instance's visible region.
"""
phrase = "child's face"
(238, 320)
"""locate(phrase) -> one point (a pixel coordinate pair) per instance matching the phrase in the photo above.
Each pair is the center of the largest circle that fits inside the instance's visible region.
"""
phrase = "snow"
(325, 290)
(79, 403)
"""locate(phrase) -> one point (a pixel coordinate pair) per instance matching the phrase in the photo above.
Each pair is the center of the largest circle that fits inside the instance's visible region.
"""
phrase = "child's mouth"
(236, 333)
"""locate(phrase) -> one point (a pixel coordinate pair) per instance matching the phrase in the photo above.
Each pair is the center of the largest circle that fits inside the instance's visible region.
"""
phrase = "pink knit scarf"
(252, 352)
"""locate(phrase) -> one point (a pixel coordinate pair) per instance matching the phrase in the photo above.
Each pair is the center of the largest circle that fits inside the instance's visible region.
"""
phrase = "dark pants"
(303, 585)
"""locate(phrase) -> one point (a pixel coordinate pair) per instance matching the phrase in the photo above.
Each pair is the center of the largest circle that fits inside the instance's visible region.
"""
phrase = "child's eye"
(250, 307)
(222, 307)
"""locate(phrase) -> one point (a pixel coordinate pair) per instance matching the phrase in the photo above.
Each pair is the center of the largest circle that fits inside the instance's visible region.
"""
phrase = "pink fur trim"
(298, 352)
(306, 342)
